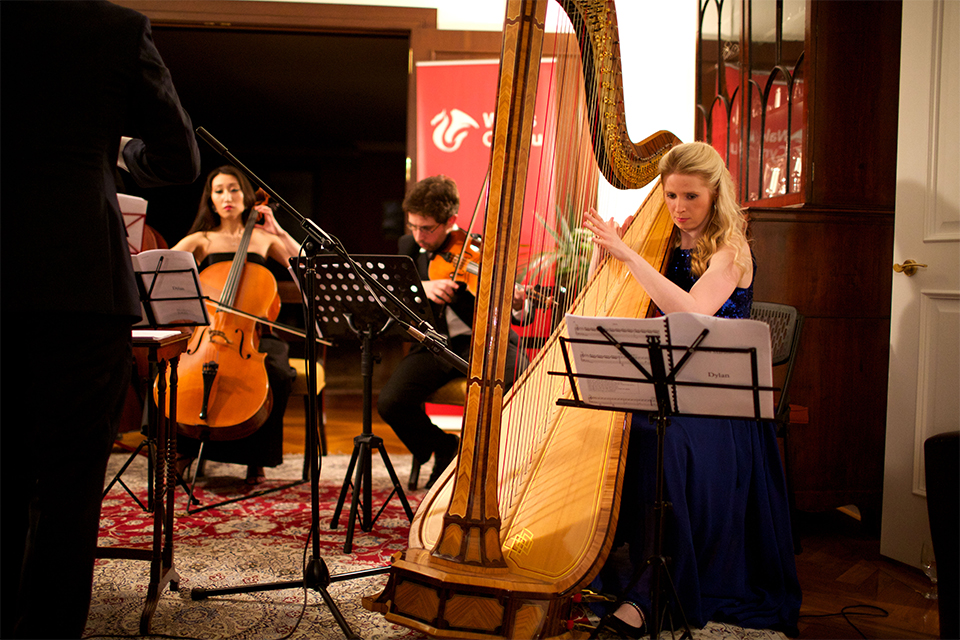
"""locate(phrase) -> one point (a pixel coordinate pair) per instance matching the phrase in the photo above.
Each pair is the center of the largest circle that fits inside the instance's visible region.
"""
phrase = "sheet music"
(155, 334)
(605, 360)
(174, 289)
(134, 211)
(704, 367)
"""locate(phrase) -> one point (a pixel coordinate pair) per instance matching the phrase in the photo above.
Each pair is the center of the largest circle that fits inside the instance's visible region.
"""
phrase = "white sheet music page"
(706, 368)
(154, 334)
(172, 281)
(623, 385)
(710, 383)
(134, 211)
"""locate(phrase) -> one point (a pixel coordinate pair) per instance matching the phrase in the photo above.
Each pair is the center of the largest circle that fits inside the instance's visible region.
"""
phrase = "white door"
(924, 380)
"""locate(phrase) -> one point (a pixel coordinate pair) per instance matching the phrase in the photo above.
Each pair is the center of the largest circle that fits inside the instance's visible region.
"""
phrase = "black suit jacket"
(76, 77)
(463, 303)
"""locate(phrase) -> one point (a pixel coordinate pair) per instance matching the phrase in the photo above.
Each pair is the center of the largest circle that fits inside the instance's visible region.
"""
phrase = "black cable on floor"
(847, 612)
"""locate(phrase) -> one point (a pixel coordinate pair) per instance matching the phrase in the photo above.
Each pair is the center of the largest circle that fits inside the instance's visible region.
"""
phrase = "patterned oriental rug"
(262, 540)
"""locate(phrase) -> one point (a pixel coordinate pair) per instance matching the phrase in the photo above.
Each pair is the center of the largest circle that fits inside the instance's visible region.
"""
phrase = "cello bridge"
(219, 336)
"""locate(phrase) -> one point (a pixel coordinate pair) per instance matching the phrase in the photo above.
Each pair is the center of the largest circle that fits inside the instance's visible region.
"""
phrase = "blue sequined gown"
(728, 532)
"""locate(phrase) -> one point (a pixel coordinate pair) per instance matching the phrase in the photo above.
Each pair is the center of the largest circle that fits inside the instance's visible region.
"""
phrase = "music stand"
(170, 294)
(170, 298)
(346, 309)
(161, 309)
(664, 384)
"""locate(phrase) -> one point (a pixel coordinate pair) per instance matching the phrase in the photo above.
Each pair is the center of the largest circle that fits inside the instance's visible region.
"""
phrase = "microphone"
(437, 344)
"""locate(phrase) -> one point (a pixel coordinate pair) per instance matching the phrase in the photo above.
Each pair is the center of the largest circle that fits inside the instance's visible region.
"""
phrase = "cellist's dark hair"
(436, 197)
(207, 216)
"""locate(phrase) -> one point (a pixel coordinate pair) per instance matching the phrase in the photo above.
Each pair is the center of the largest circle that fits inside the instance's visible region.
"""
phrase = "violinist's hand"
(519, 297)
(440, 291)
(606, 234)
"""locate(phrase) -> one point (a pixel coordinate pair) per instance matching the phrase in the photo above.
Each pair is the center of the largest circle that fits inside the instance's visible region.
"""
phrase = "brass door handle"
(909, 267)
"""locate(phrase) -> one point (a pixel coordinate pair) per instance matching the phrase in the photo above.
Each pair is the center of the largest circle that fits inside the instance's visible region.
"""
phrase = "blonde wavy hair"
(727, 224)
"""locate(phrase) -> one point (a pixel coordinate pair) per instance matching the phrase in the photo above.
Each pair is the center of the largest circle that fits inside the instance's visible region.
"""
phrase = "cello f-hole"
(199, 342)
(246, 356)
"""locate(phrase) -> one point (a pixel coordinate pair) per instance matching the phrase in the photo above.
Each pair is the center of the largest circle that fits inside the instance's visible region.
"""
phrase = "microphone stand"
(316, 575)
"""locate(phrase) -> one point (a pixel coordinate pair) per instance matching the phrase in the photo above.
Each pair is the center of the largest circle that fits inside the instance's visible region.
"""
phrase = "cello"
(223, 390)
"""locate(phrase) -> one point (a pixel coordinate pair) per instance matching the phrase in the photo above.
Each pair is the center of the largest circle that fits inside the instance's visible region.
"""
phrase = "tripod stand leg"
(396, 484)
(316, 576)
(362, 482)
(335, 521)
(118, 478)
(654, 623)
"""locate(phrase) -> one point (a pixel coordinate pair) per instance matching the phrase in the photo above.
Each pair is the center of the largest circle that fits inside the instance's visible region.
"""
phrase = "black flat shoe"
(614, 627)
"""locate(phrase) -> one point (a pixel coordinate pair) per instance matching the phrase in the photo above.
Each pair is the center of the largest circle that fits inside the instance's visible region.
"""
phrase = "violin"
(223, 392)
(458, 259)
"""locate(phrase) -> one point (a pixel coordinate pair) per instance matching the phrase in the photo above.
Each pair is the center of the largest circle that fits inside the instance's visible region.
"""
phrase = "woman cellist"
(228, 200)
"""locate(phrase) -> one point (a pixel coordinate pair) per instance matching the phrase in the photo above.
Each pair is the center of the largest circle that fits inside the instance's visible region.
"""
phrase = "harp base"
(449, 600)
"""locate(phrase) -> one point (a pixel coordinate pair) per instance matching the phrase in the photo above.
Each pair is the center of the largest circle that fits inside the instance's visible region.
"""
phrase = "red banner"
(456, 104)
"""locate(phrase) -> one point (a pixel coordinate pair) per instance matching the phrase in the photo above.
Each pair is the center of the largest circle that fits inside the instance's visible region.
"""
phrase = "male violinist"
(431, 211)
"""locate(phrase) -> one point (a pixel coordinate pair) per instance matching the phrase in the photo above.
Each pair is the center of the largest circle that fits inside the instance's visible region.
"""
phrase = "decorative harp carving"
(527, 516)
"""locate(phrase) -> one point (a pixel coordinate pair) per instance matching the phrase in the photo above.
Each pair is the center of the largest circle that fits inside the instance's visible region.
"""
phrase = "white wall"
(658, 43)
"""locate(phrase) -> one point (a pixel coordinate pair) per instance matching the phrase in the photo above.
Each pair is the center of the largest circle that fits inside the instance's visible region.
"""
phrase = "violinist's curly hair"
(207, 216)
(436, 197)
(727, 224)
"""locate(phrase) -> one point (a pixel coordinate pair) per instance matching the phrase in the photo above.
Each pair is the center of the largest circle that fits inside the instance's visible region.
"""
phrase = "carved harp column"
(471, 531)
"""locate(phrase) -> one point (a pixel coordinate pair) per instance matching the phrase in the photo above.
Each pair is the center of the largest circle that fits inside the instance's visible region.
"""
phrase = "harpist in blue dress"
(728, 532)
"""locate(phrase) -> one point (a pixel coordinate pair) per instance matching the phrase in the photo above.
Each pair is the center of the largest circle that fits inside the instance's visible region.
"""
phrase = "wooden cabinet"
(800, 97)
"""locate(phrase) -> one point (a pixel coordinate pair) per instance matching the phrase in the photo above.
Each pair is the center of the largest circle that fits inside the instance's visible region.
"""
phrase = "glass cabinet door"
(775, 85)
(750, 92)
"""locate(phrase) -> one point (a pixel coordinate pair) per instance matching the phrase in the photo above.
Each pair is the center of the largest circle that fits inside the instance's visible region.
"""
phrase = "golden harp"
(527, 517)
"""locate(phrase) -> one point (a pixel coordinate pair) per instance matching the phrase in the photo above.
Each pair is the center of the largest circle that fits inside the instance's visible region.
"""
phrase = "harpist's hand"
(440, 291)
(606, 234)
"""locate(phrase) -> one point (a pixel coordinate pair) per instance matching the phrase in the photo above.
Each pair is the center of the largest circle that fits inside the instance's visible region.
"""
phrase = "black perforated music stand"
(347, 309)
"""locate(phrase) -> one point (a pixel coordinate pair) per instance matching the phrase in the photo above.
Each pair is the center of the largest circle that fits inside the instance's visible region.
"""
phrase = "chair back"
(785, 323)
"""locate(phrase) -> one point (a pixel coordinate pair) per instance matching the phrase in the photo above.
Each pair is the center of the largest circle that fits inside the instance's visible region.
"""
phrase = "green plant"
(569, 259)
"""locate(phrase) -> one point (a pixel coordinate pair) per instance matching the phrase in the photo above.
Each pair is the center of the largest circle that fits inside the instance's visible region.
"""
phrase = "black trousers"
(68, 396)
(419, 374)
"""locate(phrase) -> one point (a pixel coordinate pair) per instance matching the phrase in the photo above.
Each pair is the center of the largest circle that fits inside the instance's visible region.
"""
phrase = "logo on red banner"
(456, 106)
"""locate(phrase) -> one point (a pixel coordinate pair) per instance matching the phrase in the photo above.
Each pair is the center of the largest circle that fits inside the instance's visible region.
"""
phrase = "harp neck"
(625, 164)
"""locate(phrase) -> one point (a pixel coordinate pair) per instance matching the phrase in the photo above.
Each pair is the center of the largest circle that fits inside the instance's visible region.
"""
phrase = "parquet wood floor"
(840, 568)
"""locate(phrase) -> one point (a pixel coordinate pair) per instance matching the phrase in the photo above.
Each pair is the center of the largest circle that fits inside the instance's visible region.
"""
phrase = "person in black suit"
(431, 210)
(85, 89)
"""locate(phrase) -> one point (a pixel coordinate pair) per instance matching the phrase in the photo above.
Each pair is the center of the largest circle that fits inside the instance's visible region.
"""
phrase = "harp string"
(567, 185)
(559, 252)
